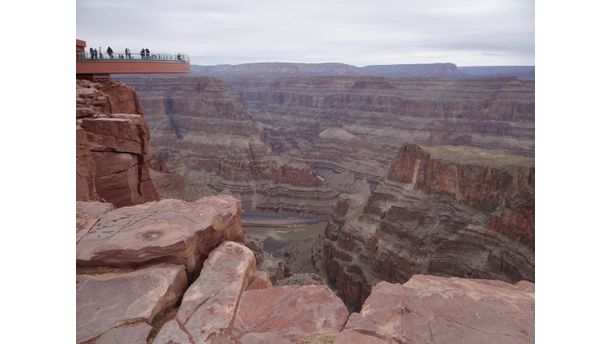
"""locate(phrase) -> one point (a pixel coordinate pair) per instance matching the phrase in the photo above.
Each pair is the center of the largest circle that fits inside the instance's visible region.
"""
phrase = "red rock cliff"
(449, 211)
(112, 145)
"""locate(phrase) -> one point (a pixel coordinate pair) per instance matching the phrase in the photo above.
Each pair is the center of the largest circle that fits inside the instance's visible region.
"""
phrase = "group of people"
(97, 53)
(145, 54)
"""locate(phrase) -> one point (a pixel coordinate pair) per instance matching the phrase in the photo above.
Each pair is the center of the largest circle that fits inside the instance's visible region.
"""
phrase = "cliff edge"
(112, 145)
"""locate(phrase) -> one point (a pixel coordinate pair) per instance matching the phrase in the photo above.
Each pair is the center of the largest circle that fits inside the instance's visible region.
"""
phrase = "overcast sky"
(358, 32)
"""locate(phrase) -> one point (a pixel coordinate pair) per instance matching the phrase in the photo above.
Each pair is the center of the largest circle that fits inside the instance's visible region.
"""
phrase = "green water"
(289, 233)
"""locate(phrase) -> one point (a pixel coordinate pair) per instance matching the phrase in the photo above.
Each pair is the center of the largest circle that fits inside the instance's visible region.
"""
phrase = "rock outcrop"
(169, 230)
(290, 311)
(120, 302)
(450, 211)
(438, 310)
(112, 145)
(208, 138)
(208, 308)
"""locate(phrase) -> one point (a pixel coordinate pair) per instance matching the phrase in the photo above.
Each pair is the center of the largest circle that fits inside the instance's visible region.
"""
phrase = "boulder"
(437, 310)
(290, 311)
(110, 300)
(169, 230)
(209, 305)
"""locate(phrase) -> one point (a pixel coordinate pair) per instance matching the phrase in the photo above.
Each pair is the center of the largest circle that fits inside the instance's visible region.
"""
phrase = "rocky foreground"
(179, 274)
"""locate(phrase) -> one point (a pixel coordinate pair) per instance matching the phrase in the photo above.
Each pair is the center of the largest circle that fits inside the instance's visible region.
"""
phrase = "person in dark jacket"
(147, 52)
(128, 54)
(91, 53)
(109, 51)
(142, 54)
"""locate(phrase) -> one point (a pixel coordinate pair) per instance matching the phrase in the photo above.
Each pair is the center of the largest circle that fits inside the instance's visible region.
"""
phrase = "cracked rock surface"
(113, 300)
(209, 305)
(172, 231)
(438, 310)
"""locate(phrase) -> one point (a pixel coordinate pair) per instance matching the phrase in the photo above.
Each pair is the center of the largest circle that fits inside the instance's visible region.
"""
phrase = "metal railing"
(123, 57)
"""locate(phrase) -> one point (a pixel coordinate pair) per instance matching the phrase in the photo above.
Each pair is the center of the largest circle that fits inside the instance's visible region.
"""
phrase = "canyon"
(406, 203)
(209, 143)
(444, 210)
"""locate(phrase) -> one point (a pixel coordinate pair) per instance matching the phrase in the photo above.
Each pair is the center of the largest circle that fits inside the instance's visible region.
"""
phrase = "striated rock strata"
(209, 139)
(112, 145)
(449, 211)
(437, 310)
(350, 128)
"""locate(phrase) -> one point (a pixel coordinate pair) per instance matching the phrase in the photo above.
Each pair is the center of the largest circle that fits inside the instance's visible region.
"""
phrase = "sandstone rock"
(431, 309)
(130, 334)
(209, 305)
(85, 169)
(450, 211)
(263, 338)
(109, 300)
(260, 280)
(290, 311)
(169, 230)
(354, 337)
(112, 145)
(88, 214)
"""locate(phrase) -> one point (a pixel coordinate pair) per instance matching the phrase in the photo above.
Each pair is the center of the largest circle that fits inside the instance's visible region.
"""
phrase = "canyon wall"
(112, 145)
(350, 128)
(209, 143)
(444, 210)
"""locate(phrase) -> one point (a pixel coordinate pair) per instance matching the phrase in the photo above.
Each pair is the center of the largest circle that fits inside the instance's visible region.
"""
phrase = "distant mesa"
(273, 70)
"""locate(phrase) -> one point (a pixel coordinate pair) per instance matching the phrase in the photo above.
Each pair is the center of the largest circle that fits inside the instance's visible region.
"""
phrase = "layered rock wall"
(449, 211)
(207, 137)
(379, 114)
(112, 145)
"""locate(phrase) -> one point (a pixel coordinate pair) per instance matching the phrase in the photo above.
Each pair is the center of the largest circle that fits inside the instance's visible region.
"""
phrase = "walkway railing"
(136, 57)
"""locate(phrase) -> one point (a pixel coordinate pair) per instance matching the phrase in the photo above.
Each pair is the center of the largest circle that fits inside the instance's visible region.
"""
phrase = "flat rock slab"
(294, 311)
(88, 214)
(130, 334)
(437, 310)
(209, 305)
(109, 300)
(169, 230)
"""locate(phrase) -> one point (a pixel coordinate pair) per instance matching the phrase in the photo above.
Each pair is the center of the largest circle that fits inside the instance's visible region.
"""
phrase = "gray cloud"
(471, 32)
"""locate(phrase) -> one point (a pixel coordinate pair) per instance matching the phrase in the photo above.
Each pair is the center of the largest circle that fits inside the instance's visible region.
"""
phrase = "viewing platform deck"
(103, 64)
